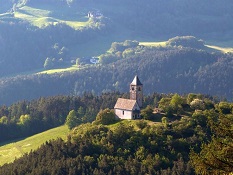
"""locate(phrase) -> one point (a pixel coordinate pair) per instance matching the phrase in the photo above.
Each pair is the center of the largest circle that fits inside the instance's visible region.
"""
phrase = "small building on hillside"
(130, 108)
(94, 14)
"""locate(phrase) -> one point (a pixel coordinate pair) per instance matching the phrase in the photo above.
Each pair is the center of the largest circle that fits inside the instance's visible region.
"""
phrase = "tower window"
(123, 112)
(139, 89)
(133, 88)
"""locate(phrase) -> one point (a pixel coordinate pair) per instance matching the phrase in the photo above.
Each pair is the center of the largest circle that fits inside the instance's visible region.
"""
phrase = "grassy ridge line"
(221, 49)
(163, 44)
(10, 151)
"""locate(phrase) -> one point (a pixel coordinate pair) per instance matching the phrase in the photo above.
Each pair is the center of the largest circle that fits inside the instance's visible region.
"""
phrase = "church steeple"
(136, 91)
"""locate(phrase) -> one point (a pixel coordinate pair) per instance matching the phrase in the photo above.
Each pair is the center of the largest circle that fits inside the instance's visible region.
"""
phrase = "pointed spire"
(136, 81)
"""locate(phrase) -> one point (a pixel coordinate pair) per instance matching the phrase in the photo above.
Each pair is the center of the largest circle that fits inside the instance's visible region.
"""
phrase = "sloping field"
(14, 150)
(221, 49)
(53, 71)
(214, 48)
(44, 17)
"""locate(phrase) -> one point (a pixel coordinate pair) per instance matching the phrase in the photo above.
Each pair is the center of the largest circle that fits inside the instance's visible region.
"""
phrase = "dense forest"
(167, 142)
(172, 69)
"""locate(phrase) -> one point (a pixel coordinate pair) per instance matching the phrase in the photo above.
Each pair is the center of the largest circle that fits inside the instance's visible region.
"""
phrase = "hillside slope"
(164, 70)
(10, 151)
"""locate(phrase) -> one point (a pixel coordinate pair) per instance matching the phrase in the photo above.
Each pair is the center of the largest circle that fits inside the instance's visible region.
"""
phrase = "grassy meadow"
(153, 44)
(10, 151)
(221, 49)
(43, 17)
(212, 47)
(53, 71)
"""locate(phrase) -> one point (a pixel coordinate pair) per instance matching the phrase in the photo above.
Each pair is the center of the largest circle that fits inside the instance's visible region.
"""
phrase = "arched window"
(139, 89)
(123, 112)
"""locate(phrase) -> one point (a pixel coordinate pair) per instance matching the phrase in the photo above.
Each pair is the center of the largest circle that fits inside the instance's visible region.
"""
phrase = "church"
(130, 108)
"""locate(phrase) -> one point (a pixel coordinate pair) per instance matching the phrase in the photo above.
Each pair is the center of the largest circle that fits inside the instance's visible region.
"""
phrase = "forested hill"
(183, 133)
(32, 30)
(163, 70)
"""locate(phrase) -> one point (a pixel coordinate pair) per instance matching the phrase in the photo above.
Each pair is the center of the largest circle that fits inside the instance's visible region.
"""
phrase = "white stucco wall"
(126, 115)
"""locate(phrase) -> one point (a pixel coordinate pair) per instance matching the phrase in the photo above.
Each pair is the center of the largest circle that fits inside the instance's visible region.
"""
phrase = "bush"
(147, 113)
(141, 124)
(72, 119)
(186, 41)
(105, 117)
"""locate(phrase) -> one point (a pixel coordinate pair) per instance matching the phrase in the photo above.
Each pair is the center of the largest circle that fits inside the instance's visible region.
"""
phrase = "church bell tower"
(136, 91)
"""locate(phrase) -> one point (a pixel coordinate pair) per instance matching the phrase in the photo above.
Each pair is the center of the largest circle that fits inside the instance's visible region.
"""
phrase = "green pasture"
(44, 17)
(221, 49)
(53, 71)
(153, 44)
(10, 151)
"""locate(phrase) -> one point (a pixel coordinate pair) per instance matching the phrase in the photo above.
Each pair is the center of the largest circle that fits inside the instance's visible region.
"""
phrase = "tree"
(216, 157)
(106, 117)
(128, 53)
(164, 121)
(72, 120)
(78, 61)
(3, 120)
(197, 104)
(117, 47)
(147, 113)
(225, 107)
(81, 111)
(192, 96)
(24, 119)
(129, 43)
(48, 63)
(176, 103)
(186, 41)
(107, 58)
(164, 104)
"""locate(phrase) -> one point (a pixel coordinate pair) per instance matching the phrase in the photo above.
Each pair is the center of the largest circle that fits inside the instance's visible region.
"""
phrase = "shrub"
(105, 117)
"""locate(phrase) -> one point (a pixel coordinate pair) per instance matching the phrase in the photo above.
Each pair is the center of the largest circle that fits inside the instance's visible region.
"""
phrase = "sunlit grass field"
(44, 17)
(221, 49)
(154, 44)
(52, 71)
(10, 151)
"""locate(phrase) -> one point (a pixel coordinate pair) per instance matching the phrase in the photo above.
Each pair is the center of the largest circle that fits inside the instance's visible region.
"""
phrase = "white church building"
(130, 108)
